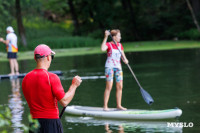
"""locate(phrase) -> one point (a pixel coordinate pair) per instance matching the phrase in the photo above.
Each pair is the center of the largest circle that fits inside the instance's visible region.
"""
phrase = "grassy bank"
(128, 47)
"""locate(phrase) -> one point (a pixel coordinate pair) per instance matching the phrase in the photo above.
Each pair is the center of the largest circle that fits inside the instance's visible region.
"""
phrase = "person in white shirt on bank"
(12, 49)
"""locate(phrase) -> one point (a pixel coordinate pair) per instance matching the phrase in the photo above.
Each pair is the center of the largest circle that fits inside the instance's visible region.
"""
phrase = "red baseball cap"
(43, 50)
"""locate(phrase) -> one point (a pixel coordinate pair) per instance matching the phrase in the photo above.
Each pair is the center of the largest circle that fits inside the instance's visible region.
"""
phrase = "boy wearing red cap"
(43, 89)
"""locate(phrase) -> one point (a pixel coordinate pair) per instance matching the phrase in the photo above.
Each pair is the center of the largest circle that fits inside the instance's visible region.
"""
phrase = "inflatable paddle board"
(114, 113)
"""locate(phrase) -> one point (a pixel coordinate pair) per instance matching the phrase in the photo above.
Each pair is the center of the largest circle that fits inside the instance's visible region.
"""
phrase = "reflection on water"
(108, 130)
(125, 126)
(16, 106)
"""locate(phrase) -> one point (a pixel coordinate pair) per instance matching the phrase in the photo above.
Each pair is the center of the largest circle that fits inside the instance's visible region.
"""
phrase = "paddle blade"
(147, 98)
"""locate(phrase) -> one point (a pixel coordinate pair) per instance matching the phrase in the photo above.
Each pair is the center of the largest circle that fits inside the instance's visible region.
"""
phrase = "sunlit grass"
(160, 45)
(128, 47)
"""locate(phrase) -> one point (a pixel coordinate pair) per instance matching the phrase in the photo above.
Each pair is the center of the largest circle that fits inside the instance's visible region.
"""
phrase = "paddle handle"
(127, 63)
(61, 113)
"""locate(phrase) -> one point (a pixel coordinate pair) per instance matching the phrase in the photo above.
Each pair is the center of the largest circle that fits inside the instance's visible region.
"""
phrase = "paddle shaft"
(127, 63)
(61, 113)
(134, 75)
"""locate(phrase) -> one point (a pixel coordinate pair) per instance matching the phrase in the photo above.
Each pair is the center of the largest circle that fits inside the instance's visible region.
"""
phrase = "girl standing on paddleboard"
(113, 67)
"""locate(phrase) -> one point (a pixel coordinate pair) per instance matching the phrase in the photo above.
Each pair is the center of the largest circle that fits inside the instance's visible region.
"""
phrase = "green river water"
(171, 77)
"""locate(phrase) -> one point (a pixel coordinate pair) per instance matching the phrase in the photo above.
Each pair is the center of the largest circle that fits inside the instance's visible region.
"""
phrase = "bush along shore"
(142, 46)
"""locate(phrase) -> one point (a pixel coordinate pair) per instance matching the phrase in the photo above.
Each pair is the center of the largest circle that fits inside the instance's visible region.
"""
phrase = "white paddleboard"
(127, 114)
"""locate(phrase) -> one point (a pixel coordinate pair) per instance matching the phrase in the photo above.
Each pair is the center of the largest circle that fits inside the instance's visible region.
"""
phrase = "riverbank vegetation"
(81, 23)
(139, 46)
(75, 27)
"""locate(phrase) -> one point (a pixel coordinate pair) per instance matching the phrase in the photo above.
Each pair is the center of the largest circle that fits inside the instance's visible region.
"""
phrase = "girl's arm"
(104, 47)
(125, 60)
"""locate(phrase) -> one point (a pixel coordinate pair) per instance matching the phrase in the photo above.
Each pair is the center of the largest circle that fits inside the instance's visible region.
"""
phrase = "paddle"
(146, 96)
(61, 113)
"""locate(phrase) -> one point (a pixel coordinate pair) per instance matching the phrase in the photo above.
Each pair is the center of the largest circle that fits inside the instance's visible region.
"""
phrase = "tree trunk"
(20, 25)
(74, 17)
(193, 15)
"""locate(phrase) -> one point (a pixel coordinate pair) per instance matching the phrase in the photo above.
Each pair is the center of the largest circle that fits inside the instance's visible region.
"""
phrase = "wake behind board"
(22, 75)
(131, 114)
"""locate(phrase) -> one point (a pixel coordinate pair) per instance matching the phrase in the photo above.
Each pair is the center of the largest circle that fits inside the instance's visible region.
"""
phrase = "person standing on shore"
(113, 67)
(12, 49)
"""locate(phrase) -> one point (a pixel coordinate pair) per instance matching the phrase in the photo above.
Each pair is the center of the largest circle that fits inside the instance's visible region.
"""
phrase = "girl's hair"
(114, 32)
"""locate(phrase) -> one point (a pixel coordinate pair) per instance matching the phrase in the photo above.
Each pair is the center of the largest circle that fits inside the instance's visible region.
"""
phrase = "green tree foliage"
(5, 16)
(137, 20)
(163, 19)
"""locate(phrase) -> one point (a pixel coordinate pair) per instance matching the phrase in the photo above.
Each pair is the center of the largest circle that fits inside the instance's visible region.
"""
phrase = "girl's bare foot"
(105, 109)
(121, 108)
